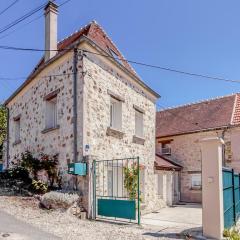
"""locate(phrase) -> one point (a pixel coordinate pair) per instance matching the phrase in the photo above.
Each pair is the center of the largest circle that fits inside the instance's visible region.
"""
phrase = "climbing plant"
(131, 180)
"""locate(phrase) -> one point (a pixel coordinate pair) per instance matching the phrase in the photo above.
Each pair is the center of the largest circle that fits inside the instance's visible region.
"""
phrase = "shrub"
(18, 173)
(231, 234)
(38, 187)
(33, 165)
(58, 200)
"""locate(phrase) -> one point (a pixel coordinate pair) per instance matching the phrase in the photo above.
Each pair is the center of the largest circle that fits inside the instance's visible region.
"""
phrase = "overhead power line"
(31, 21)
(25, 16)
(192, 74)
(8, 7)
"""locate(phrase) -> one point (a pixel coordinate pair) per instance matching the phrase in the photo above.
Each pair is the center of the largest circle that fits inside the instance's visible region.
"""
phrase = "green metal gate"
(116, 189)
(231, 197)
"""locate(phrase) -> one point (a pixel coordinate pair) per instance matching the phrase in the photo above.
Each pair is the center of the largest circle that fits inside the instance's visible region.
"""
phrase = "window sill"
(17, 142)
(196, 189)
(138, 140)
(46, 130)
(114, 133)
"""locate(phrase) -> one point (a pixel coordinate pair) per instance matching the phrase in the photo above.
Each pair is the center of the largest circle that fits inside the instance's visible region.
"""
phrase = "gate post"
(212, 187)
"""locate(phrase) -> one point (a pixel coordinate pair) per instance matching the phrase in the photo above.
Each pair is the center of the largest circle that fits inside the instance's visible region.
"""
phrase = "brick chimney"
(51, 12)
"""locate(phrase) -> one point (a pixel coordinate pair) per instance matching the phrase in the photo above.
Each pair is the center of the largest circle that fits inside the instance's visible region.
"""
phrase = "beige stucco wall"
(186, 150)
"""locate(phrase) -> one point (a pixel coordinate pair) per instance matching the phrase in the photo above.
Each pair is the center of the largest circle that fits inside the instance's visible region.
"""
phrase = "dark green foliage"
(38, 187)
(19, 173)
(3, 123)
(33, 165)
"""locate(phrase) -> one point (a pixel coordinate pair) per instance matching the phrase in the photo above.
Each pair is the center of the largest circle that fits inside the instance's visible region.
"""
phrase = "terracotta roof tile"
(94, 32)
(207, 114)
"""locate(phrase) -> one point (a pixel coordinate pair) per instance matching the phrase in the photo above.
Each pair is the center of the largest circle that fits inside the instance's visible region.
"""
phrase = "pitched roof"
(209, 114)
(97, 35)
(164, 163)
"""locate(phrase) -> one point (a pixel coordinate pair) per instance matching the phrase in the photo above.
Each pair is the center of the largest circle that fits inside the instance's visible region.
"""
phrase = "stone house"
(84, 100)
(178, 131)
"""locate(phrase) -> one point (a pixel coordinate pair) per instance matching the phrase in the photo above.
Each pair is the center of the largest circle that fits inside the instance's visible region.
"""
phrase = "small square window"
(138, 123)
(51, 113)
(196, 181)
(115, 114)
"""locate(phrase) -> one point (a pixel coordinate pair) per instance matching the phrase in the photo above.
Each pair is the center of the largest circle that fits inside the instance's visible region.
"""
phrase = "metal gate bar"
(111, 189)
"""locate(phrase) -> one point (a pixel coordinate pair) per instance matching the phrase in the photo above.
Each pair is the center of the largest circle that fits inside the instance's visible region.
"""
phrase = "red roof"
(163, 163)
(209, 114)
(97, 35)
(94, 32)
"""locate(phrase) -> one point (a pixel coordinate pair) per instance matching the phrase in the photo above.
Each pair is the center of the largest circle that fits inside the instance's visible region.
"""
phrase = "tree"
(3, 124)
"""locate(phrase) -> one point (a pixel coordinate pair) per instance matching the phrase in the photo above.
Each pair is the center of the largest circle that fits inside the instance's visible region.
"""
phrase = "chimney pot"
(51, 12)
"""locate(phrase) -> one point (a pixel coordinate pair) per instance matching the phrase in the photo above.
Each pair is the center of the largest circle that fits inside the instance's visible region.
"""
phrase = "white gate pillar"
(212, 187)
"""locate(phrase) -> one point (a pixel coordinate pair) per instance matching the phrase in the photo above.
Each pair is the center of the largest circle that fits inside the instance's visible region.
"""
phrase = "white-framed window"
(17, 129)
(138, 123)
(196, 181)
(115, 114)
(51, 113)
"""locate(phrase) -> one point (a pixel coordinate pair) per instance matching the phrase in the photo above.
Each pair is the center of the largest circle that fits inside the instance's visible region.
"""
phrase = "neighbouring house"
(178, 131)
(101, 108)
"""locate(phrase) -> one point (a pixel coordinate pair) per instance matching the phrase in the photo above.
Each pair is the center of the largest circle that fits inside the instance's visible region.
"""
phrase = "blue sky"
(197, 36)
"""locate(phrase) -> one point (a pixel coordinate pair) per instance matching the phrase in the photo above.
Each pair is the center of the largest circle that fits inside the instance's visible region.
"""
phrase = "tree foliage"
(3, 123)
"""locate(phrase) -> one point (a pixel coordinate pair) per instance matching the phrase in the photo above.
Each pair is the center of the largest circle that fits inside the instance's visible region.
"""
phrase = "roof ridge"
(197, 102)
(115, 46)
(77, 31)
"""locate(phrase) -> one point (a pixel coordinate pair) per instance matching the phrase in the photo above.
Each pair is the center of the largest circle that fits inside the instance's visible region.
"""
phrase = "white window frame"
(196, 181)
(115, 113)
(51, 118)
(139, 124)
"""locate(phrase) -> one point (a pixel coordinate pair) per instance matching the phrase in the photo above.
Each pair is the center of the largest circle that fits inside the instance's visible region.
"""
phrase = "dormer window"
(115, 56)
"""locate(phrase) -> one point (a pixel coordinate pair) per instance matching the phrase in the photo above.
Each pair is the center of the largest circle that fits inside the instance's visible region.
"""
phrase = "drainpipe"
(8, 122)
(75, 60)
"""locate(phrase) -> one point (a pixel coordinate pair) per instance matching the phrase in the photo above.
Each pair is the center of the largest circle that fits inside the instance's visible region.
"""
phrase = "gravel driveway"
(68, 227)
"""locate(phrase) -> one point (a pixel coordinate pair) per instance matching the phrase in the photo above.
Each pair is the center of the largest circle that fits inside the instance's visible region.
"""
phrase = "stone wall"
(186, 150)
(30, 106)
(95, 78)
(98, 80)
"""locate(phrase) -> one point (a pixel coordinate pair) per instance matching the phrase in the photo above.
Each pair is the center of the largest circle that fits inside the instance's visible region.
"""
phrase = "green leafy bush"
(38, 187)
(18, 173)
(231, 234)
(32, 164)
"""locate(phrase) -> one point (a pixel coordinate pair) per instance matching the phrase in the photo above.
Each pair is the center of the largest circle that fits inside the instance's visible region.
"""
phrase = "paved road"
(14, 229)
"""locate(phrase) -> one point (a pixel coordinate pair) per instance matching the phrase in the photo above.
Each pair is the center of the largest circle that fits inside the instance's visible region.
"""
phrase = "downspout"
(8, 122)
(75, 60)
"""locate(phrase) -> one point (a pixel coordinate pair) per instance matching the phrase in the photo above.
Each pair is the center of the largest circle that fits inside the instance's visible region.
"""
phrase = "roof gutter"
(200, 130)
